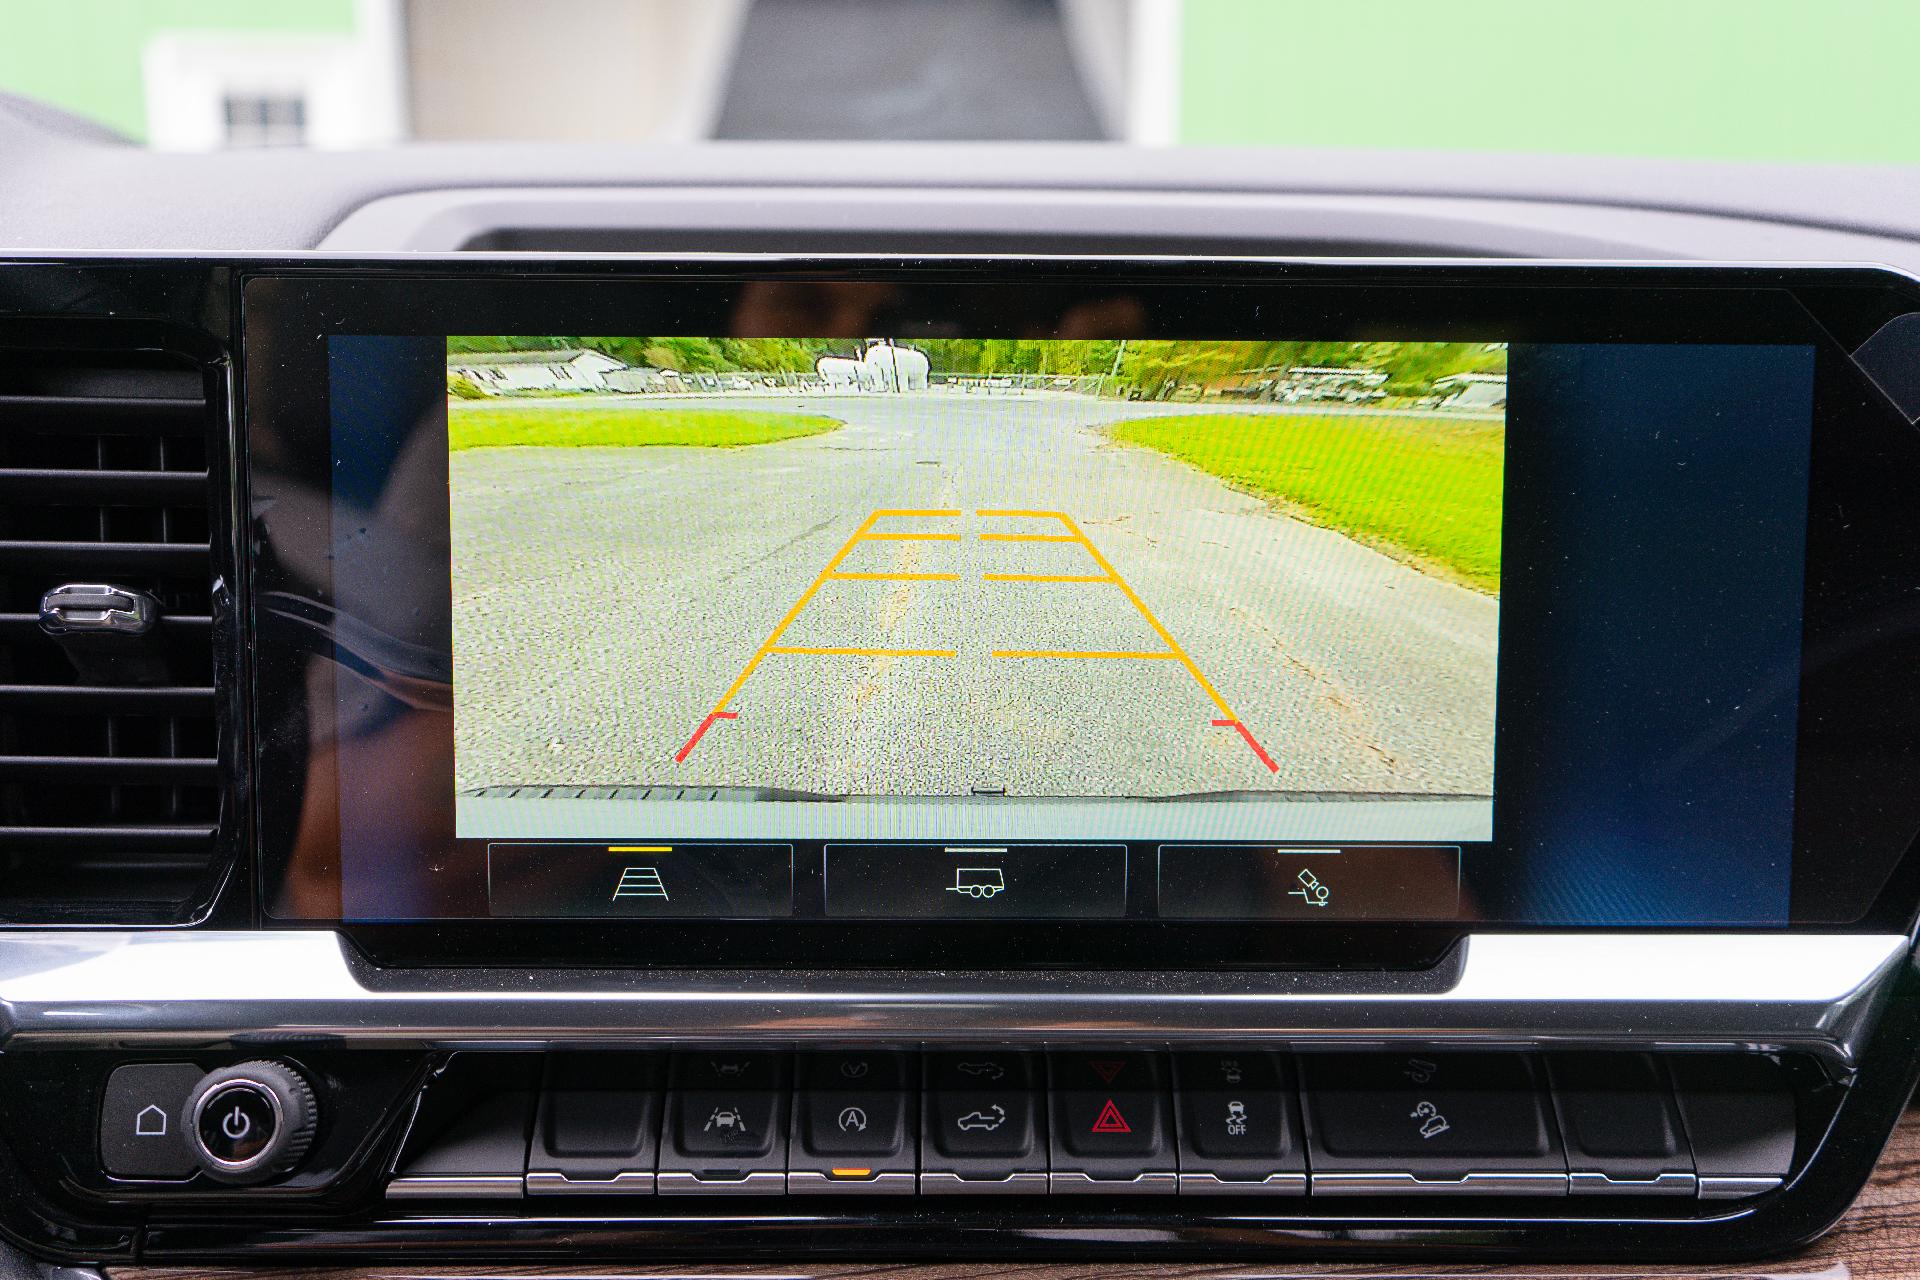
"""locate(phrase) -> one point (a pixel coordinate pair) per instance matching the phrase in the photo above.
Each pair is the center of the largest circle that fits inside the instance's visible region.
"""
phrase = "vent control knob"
(250, 1122)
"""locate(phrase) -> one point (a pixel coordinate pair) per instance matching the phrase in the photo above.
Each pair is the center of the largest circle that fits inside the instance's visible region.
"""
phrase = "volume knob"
(250, 1122)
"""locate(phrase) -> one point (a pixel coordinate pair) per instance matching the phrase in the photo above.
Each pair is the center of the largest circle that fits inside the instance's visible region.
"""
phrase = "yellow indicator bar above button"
(639, 848)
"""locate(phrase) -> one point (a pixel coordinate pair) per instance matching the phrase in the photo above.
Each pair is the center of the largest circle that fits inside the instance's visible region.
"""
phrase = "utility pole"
(1119, 354)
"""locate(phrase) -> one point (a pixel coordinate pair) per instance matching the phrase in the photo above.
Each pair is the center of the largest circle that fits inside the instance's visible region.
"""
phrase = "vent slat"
(101, 557)
(103, 699)
(106, 837)
(192, 624)
(117, 415)
(91, 770)
(111, 801)
(63, 484)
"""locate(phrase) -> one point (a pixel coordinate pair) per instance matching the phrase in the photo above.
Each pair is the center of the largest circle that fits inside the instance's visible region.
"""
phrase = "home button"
(140, 1134)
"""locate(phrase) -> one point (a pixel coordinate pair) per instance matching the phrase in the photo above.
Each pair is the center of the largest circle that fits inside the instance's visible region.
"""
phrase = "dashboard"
(535, 756)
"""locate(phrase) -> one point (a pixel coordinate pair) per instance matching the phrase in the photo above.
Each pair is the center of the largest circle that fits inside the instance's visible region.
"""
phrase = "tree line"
(1411, 367)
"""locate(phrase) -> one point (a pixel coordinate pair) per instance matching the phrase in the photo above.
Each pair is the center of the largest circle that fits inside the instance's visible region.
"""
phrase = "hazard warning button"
(1112, 1124)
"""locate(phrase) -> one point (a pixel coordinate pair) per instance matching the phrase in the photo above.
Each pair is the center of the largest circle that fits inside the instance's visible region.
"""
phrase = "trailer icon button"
(978, 882)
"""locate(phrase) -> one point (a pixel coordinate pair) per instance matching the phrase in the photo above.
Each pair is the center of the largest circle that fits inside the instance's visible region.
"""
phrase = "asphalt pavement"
(608, 601)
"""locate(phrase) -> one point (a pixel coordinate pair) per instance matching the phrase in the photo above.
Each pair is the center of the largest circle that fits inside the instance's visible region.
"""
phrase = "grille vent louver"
(110, 797)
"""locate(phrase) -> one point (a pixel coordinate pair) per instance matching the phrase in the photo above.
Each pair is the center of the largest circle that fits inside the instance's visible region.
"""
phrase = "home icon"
(151, 1122)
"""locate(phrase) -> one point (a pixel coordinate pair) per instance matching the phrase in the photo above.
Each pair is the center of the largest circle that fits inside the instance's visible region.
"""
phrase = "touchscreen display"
(963, 590)
(918, 626)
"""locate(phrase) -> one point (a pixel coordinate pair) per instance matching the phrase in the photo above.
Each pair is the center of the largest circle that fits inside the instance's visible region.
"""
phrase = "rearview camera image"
(974, 572)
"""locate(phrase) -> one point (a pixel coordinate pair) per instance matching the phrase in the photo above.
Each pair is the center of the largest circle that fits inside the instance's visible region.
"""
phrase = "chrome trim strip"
(808, 1182)
(1212, 1184)
(1810, 991)
(1472, 1184)
(628, 1182)
(1730, 1188)
(682, 1183)
(457, 1186)
(952, 1184)
(1661, 1184)
(1085, 1184)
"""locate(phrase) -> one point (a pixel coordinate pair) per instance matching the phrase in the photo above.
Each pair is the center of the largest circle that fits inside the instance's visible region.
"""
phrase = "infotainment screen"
(1095, 615)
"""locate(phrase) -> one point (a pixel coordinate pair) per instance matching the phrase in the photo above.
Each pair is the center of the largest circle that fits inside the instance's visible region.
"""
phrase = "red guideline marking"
(681, 756)
(1111, 1121)
(1258, 750)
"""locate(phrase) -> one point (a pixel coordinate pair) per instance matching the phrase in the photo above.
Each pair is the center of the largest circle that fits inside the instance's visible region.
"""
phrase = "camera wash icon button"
(1347, 882)
(976, 881)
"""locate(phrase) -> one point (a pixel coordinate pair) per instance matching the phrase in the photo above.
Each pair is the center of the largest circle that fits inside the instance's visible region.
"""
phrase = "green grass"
(1424, 488)
(478, 425)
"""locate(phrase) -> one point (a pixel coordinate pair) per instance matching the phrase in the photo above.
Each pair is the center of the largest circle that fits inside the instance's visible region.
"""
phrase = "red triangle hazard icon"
(1111, 1121)
(1107, 1068)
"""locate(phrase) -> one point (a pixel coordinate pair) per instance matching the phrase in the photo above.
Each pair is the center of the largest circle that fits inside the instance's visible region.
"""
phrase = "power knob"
(250, 1122)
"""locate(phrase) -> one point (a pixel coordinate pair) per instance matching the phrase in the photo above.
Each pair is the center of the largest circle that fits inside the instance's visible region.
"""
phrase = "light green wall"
(84, 55)
(1724, 79)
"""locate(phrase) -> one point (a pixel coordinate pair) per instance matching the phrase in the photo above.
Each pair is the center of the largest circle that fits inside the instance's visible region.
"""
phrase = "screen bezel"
(1859, 550)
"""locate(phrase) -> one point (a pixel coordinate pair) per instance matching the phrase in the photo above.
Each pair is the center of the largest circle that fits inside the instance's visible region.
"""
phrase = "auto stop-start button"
(237, 1122)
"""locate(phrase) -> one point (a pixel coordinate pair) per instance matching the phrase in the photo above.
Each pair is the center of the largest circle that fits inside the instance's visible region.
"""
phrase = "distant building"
(1472, 390)
(504, 372)
(1292, 384)
(640, 378)
(1316, 382)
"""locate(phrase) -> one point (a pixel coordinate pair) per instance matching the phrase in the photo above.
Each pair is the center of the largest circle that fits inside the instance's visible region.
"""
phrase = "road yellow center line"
(866, 653)
(894, 577)
(1083, 653)
(1028, 537)
(1047, 577)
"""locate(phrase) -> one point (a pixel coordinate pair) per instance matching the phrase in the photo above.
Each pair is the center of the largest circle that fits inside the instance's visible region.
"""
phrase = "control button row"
(724, 881)
(1131, 1122)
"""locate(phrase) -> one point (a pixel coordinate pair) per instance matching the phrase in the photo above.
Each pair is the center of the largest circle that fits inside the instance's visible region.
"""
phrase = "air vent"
(109, 784)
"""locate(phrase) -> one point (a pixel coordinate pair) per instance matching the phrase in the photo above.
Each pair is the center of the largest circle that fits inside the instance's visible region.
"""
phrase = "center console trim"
(1814, 992)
